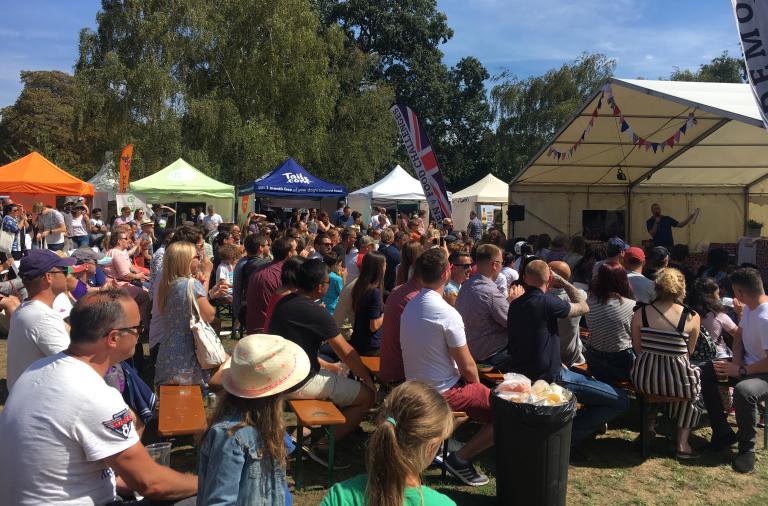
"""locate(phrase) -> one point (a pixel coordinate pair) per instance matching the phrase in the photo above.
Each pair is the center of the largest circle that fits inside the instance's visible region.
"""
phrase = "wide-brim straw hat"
(262, 365)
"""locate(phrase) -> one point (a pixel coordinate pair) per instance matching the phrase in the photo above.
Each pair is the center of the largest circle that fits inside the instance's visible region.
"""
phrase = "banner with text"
(131, 200)
(424, 162)
(752, 23)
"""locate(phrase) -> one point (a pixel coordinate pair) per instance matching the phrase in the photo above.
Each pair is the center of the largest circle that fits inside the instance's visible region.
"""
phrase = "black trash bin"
(533, 447)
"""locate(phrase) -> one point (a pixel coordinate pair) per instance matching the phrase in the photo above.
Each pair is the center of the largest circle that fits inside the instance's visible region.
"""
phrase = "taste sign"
(290, 177)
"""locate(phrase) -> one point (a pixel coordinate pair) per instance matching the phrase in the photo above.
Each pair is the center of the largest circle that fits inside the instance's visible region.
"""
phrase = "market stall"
(490, 192)
(396, 188)
(33, 178)
(290, 185)
(181, 182)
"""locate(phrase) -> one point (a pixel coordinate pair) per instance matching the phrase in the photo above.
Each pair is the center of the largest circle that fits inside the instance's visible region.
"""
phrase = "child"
(228, 256)
(244, 451)
(414, 420)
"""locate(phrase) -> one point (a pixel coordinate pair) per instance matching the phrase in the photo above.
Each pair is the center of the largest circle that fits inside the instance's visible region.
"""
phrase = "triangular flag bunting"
(655, 146)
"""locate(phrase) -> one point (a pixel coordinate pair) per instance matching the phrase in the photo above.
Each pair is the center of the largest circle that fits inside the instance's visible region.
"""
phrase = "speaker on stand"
(515, 213)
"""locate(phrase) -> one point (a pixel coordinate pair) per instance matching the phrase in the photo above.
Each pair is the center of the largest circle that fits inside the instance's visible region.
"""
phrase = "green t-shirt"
(352, 493)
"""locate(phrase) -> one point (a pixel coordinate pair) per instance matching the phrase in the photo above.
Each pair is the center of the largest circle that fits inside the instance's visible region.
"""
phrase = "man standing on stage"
(660, 227)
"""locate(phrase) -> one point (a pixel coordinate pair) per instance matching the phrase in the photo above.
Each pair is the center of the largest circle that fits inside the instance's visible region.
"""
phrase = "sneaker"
(744, 462)
(319, 454)
(465, 472)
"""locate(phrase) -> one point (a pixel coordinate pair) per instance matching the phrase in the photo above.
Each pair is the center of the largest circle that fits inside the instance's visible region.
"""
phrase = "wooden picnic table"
(181, 410)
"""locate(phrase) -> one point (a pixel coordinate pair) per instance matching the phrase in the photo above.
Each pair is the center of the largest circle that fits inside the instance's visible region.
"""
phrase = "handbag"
(209, 351)
(6, 241)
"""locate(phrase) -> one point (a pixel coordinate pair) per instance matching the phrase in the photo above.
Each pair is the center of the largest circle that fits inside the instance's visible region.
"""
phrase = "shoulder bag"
(208, 348)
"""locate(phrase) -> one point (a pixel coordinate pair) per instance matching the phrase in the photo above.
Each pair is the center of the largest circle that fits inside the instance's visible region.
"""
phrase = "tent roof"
(180, 179)
(397, 185)
(489, 189)
(106, 179)
(35, 174)
(291, 180)
(727, 147)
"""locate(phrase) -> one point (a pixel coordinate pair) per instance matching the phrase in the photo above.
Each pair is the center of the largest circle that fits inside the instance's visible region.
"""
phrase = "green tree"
(529, 112)
(722, 69)
(41, 120)
(404, 36)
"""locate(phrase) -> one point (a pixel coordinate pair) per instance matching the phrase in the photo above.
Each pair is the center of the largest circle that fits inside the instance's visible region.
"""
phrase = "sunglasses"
(67, 271)
(466, 266)
(136, 329)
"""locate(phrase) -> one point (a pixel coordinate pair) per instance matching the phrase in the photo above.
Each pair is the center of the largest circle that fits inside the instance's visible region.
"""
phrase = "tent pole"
(628, 224)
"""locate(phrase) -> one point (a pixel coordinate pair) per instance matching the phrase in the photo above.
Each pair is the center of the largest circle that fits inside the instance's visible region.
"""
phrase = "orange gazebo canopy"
(36, 175)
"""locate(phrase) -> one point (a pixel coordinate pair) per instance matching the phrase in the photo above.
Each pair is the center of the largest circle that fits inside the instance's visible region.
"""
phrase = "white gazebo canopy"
(489, 190)
(396, 187)
(716, 161)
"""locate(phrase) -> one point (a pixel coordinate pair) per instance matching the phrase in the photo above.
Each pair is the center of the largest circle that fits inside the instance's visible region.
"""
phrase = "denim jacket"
(233, 470)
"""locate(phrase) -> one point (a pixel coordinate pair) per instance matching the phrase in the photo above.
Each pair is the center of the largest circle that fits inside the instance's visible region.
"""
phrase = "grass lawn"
(615, 475)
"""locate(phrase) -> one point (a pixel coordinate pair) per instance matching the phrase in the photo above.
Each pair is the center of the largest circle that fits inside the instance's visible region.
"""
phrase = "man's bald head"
(537, 273)
(561, 268)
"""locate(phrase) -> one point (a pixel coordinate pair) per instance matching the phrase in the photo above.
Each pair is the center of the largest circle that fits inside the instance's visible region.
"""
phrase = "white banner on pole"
(133, 201)
(752, 23)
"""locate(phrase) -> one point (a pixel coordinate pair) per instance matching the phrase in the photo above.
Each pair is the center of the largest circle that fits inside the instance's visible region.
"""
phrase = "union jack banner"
(424, 162)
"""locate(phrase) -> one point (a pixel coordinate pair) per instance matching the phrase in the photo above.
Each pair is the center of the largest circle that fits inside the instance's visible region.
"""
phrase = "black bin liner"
(533, 447)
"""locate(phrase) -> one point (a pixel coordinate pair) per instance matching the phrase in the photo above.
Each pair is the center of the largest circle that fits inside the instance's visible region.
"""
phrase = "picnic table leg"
(299, 455)
(331, 452)
(445, 457)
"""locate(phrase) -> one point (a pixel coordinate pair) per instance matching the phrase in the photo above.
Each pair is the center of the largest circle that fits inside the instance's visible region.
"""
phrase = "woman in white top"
(80, 226)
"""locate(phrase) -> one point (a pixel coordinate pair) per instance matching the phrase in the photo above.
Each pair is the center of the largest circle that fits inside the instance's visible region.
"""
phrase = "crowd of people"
(310, 294)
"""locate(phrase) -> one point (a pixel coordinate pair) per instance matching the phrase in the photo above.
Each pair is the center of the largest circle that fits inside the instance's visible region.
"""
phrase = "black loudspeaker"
(516, 213)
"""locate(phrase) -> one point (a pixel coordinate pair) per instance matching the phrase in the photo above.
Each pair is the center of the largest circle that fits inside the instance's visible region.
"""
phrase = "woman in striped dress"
(664, 335)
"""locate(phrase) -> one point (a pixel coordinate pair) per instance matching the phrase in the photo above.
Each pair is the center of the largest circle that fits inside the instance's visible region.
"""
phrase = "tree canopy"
(237, 86)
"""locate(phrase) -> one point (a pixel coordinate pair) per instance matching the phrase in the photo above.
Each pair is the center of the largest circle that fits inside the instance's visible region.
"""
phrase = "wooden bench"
(491, 377)
(313, 413)
(372, 363)
(181, 411)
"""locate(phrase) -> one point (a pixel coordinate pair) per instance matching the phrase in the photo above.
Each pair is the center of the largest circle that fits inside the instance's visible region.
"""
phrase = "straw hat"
(262, 365)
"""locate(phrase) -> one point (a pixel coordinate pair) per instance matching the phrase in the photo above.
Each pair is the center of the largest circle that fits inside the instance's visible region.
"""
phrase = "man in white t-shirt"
(36, 329)
(435, 351)
(66, 434)
(50, 226)
(750, 363)
(212, 220)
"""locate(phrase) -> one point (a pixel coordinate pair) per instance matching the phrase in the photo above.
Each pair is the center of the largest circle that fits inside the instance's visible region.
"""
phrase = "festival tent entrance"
(291, 185)
(684, 145)
(489, 190)
(33, 178)
(397, 187)
(180, 182)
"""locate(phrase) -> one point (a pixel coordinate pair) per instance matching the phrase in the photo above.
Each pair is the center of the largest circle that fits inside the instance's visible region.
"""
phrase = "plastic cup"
(722, 378)
(160, 453)
(184, 377)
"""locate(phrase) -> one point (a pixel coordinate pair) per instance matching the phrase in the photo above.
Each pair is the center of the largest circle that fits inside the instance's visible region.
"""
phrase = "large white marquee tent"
(720, 163)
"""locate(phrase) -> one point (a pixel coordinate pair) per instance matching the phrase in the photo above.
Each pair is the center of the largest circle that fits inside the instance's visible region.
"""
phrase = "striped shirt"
(610, 324)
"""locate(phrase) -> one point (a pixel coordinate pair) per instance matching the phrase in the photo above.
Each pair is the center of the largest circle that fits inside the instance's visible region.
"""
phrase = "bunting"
(625, 128)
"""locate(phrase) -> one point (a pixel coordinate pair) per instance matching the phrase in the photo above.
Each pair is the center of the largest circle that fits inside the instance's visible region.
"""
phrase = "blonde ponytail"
(411, 419)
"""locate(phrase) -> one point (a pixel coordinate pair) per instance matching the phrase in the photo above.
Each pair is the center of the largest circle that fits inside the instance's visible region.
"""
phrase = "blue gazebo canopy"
(291, 180)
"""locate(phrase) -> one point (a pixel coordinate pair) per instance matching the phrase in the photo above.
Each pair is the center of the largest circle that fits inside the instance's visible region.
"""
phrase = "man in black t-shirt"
(534, 349)
(300, 318)
(660, 226)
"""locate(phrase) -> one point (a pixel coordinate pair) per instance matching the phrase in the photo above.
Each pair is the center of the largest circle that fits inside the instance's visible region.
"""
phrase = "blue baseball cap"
(39, 261)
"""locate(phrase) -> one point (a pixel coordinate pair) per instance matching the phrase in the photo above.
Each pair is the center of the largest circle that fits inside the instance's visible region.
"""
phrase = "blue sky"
(527, 37)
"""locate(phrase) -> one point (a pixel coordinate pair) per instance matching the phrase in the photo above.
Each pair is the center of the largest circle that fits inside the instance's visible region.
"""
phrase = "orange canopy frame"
(34, 174)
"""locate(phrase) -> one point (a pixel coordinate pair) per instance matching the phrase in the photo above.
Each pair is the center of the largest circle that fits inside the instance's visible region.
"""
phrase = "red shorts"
(472, 398)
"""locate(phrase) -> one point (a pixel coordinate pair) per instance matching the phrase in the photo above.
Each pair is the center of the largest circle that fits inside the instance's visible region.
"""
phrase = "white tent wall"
(558, 210)
(462, 207)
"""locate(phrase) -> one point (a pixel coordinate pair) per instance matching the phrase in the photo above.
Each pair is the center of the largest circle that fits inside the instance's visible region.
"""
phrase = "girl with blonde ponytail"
(412, 423)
